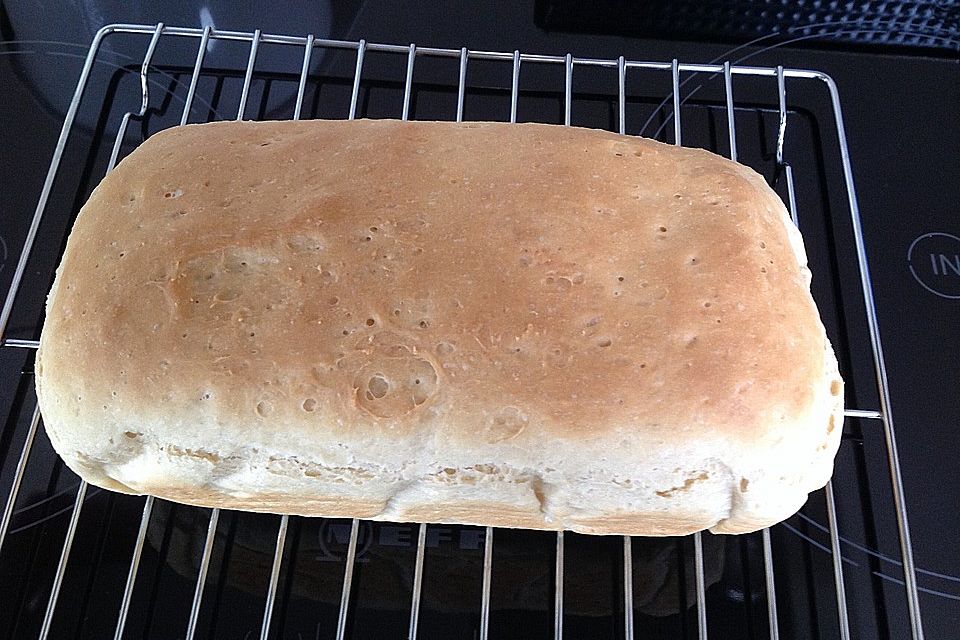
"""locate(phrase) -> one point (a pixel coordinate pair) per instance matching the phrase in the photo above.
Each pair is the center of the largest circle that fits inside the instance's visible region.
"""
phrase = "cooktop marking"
(934, 261)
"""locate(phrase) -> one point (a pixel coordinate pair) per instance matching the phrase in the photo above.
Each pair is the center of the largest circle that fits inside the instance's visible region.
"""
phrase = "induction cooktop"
(848, 138)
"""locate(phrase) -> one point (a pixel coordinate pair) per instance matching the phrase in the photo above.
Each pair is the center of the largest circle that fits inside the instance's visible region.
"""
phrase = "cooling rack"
(619, 71)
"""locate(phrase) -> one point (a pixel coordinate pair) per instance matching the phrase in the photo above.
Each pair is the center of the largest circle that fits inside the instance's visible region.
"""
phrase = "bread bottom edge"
(484, 514)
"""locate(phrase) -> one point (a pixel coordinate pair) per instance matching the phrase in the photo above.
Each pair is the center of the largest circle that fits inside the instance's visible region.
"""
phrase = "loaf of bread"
(511, 325)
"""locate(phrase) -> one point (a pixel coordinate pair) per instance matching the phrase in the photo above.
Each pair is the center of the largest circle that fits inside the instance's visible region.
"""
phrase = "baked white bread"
(510, 325)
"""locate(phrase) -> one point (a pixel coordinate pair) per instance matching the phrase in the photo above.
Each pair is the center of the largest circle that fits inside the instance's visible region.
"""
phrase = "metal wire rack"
(570, 65)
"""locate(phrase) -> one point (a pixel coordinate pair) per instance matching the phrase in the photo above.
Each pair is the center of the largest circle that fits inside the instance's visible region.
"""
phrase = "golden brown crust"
(387, 315)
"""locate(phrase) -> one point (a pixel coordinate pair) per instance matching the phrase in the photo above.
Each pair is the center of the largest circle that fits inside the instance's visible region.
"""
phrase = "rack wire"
(516, 60)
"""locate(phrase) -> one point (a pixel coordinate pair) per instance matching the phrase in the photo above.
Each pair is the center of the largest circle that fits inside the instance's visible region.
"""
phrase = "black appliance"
(859, 135)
